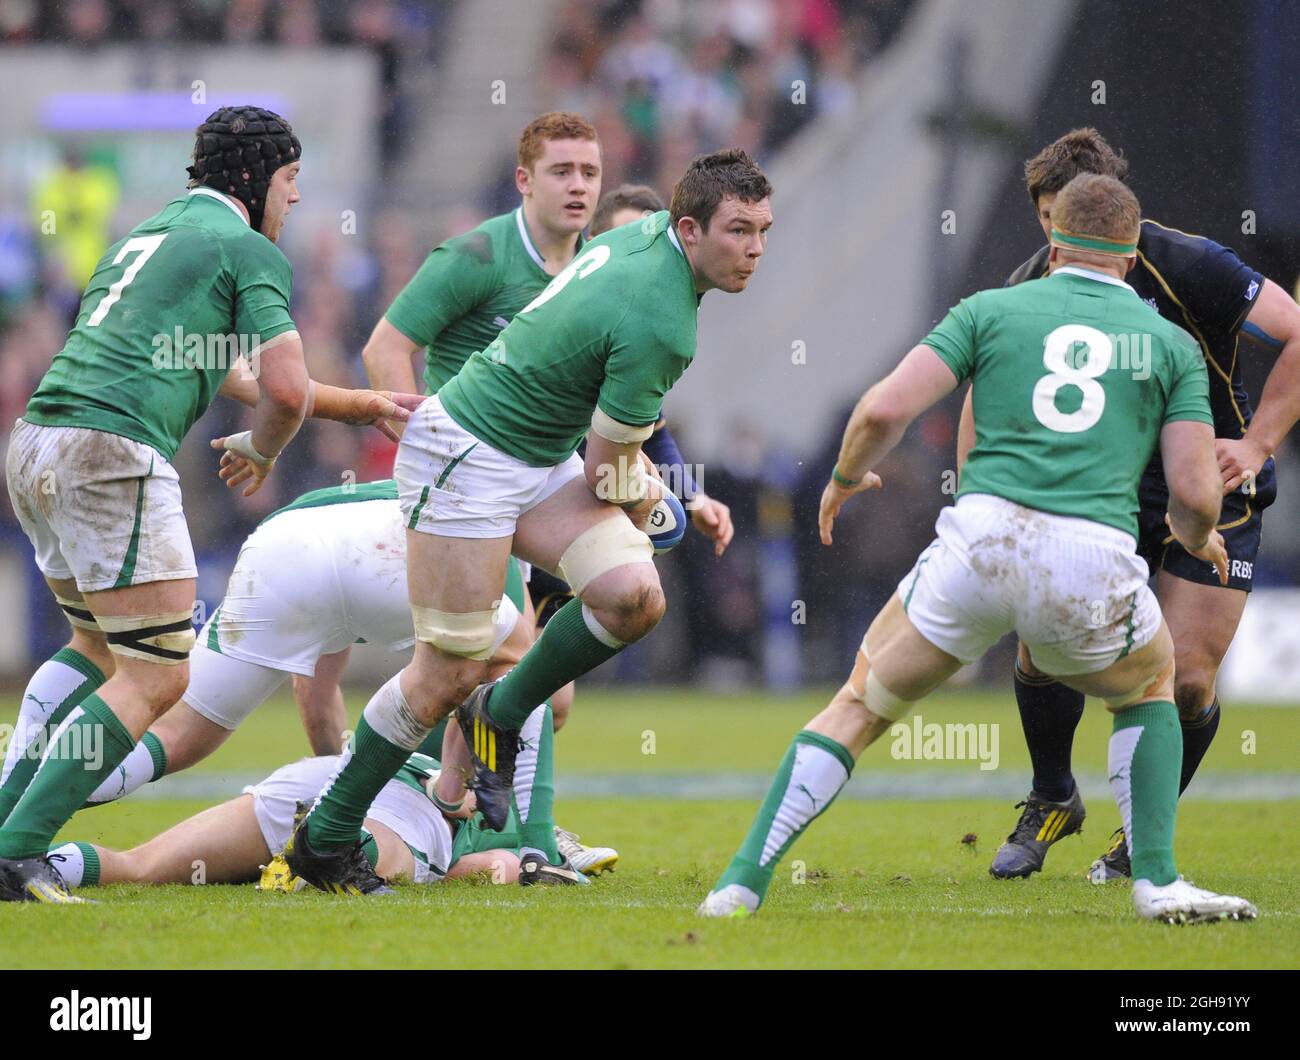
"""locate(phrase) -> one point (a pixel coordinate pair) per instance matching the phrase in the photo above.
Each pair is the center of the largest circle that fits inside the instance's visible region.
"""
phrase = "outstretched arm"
(877, 425)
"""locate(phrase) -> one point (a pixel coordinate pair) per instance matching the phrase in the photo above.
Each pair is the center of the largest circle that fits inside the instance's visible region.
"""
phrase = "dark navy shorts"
(1240, 524)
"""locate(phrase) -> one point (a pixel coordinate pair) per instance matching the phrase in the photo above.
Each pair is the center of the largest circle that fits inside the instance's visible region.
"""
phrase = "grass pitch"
(883, 880)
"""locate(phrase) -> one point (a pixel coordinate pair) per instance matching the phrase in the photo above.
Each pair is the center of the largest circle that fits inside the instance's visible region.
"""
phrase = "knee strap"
(165, 639)
(77, 613)
(598, 549)
(470, 634)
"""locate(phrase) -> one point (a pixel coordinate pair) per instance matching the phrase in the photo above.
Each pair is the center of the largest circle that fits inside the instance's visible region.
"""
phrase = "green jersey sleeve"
(953, 339)
(1189, 395)
(648, 353)
(455, 278)
(263, 280)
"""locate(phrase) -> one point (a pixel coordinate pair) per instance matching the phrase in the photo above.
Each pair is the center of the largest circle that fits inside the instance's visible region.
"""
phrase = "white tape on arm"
(620, 433)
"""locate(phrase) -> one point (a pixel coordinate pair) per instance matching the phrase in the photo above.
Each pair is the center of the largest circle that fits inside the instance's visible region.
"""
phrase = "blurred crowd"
(663, 80)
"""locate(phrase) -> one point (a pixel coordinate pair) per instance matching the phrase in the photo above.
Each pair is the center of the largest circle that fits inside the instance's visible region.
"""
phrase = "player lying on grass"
(1040, 541)
(167, 313)
(313, 579)
(488, 468)
(421, 827)
(1206, 289)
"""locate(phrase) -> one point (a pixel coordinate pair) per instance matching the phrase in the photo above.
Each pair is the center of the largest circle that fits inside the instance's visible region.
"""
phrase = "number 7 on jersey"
(144, 246)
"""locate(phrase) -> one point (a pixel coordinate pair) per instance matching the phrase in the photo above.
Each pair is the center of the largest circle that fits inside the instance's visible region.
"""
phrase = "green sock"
(567, 649)
(157, 753)
(90, 744)
(67, 674)
(336, 820)
(535, 784)
(1146, 754)
(811, 775)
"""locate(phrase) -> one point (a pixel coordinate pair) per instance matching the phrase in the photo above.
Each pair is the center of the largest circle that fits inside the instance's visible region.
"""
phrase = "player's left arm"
(1274, 322)
(878, 423)
(709, 515)
(321, 708)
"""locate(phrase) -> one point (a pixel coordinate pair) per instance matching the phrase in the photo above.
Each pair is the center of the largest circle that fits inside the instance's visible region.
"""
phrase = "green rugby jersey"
(467, 290)
(168, 309)
(1073, 376)
(614, 330)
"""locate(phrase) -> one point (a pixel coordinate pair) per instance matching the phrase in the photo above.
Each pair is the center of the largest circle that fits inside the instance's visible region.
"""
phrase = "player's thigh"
(593, 546)
(222, 844)
(1203, 619)
(1146, 673)
(903, 660)
(223, 689)
(456, 574)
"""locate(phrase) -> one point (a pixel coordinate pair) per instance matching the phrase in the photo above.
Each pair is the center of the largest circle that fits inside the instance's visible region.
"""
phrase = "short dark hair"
(1078, 151)
(625, 197)
(711, 178)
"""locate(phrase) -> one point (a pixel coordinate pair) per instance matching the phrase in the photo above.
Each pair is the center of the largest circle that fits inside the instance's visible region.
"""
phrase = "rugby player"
(488, 467)
(1206, 289)
(1026, 548)
(421, 827)
(623, 205)
(89, 467)
(324, 573)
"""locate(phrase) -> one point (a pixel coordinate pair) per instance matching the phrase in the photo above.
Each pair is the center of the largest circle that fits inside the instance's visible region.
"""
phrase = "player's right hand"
(241, 462)
(833, 498)
(1213, 551)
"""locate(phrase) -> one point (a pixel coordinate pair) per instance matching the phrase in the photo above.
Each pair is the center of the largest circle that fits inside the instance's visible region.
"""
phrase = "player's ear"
(1129, 263)
(523, 180)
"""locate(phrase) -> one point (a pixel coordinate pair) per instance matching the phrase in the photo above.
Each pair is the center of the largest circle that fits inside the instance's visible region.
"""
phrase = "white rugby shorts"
(1073, 590)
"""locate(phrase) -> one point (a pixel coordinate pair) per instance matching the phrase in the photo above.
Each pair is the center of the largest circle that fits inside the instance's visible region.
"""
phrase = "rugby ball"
(666, 525)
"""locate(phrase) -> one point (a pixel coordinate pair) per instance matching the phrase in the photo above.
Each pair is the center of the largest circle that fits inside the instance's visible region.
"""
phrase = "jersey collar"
(214, 194)
(1089, 274)
(538, 260)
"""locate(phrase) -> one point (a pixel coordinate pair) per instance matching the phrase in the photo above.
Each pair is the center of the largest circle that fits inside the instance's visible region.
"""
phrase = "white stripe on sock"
(133, 773)
(51, 684)
(815, 778)
(530, 738)
(1119, 764)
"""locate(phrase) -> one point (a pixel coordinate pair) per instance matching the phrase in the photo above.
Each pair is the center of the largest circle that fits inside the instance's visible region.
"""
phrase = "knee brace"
(610, 543)
(77, 614)
(470, 634)
(165, 639)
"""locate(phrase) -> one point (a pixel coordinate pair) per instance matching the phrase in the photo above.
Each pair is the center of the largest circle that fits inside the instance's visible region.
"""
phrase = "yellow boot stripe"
(492, 751)
(1047, 826)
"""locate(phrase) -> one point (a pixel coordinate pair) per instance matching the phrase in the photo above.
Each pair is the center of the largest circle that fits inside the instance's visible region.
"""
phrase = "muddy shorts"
(1075, 591)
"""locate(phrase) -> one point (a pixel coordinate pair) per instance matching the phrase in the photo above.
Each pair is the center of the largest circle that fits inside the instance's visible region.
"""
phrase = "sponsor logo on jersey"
(500, 322)
(1152, 303)
(1252, 289)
